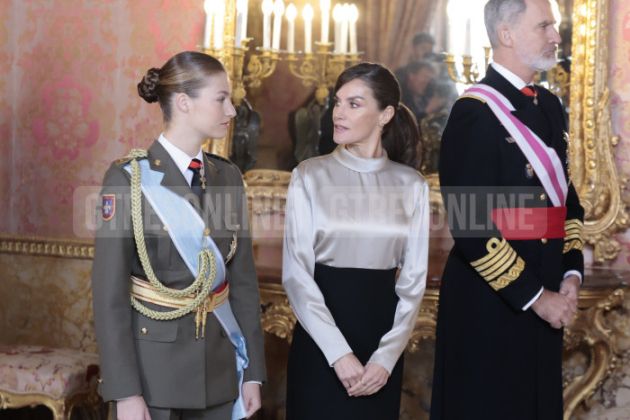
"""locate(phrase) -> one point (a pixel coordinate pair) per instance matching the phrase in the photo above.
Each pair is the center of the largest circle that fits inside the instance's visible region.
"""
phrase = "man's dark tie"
(195, 166)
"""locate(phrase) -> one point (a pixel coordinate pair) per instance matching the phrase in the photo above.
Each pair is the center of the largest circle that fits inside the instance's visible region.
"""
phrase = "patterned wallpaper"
(71, 105)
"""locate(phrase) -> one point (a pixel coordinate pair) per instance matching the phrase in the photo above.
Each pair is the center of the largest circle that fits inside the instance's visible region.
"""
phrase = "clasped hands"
(559, 309)
(360, 380)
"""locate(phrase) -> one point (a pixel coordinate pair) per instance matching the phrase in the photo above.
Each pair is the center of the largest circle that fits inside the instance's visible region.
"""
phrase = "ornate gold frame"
(591, 148)
(47, 247)
(61, 408)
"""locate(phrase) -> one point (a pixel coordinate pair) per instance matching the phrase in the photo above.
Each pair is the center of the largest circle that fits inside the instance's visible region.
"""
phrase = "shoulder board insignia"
(133, 154)
(471, 97)
(217, 157)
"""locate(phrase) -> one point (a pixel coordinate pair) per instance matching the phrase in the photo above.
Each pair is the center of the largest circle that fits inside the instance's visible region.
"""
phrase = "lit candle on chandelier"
(354, 17)
(337, 17)
(307, 14)
(208, 7)
(219, 22)
(345, 19)
(324, 6)
(468, 40)
(241, 22)
(267, 9)
(291, 14)
(278, 11)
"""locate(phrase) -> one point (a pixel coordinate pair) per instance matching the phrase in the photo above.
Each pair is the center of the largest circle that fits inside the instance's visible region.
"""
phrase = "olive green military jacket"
(163, 360)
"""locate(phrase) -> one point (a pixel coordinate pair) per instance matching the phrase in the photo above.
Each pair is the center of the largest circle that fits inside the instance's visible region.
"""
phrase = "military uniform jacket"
(162, 360)
(496, 360)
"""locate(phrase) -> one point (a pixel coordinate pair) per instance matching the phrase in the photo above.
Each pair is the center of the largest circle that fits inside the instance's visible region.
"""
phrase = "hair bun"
(147, 88)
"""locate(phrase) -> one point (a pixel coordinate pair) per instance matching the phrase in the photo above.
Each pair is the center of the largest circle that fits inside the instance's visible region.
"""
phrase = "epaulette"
(465, 96)
(218, 157)
(133, 154)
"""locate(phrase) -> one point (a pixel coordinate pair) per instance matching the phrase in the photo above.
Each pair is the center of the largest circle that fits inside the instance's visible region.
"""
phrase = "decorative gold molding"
(48, 247)
(590, 331)
(61, 408)
(267, 190)
(591, 152)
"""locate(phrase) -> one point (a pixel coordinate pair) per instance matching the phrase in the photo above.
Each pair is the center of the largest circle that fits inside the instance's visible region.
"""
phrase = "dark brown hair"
(400, 135)
(185, 72)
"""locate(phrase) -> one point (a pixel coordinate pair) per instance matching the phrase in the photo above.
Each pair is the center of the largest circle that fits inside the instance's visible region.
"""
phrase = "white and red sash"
(544, 159)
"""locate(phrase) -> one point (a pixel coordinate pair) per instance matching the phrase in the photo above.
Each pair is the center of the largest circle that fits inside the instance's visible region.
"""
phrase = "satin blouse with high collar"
(347, 211)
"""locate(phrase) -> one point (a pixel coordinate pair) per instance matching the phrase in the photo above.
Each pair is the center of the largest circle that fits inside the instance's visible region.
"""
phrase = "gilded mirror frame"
(591, 145)
(591, 148)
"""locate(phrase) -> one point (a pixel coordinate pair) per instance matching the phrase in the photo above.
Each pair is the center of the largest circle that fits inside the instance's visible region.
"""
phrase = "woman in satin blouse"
(355, 256)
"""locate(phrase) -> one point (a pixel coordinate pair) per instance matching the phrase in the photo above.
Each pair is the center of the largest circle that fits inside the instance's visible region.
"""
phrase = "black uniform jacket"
(496, 360)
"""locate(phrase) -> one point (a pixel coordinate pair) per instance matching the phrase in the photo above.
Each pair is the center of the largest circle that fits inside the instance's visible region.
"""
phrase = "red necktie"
(195, 166)
(529, 91)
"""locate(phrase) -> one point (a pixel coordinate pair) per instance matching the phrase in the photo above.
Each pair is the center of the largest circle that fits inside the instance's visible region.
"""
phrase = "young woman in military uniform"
(176, 304)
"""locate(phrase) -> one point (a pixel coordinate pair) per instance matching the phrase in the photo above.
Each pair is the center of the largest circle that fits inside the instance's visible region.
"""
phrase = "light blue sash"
(186, 227)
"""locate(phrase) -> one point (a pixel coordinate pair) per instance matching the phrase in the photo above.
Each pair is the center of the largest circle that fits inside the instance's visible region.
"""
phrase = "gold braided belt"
(146, 292)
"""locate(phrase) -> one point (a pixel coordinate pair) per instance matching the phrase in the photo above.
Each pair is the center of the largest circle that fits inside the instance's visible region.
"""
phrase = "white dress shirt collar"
(516, 81)
(181, 158)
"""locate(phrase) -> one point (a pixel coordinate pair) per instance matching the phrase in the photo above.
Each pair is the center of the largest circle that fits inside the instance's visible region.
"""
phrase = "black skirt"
(363, 304)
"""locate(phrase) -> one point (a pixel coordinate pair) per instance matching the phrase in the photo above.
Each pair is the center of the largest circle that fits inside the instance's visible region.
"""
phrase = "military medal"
(529, 171)
(202, 177)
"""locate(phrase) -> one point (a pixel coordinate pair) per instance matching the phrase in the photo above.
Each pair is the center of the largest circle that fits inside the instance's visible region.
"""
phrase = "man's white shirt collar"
(181, 158)
(516, 81)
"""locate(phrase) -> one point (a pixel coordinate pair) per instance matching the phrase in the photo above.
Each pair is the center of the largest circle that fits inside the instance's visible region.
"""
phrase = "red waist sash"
(530, 223)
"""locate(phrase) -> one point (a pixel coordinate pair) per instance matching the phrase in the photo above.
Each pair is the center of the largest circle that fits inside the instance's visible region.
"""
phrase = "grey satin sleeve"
(410, 285)
(298, 265)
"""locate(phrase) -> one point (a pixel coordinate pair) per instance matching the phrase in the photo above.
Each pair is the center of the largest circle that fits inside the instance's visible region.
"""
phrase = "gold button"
(206, 232)
(157, 162)
(543, 240)
(144, 331)
(543, 197)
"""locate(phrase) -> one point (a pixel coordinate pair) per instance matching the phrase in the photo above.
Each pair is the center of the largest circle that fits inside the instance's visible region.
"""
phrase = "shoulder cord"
(202, 284)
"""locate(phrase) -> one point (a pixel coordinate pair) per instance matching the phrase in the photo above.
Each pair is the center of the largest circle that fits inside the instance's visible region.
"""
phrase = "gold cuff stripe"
(501, 270)
(570, 223)
(507, 278)
(573, 225)
(493, 246)
(500, 264)
(575, 244)
(489, 269)
(501, 255)
(572, 236)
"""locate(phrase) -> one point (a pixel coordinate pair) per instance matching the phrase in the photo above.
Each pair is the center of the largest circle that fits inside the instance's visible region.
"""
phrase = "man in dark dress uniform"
(511, 280)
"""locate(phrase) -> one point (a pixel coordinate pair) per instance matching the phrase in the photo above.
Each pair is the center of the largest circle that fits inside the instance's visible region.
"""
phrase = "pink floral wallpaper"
(5, 117)
(71, 105)
(620, 103)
